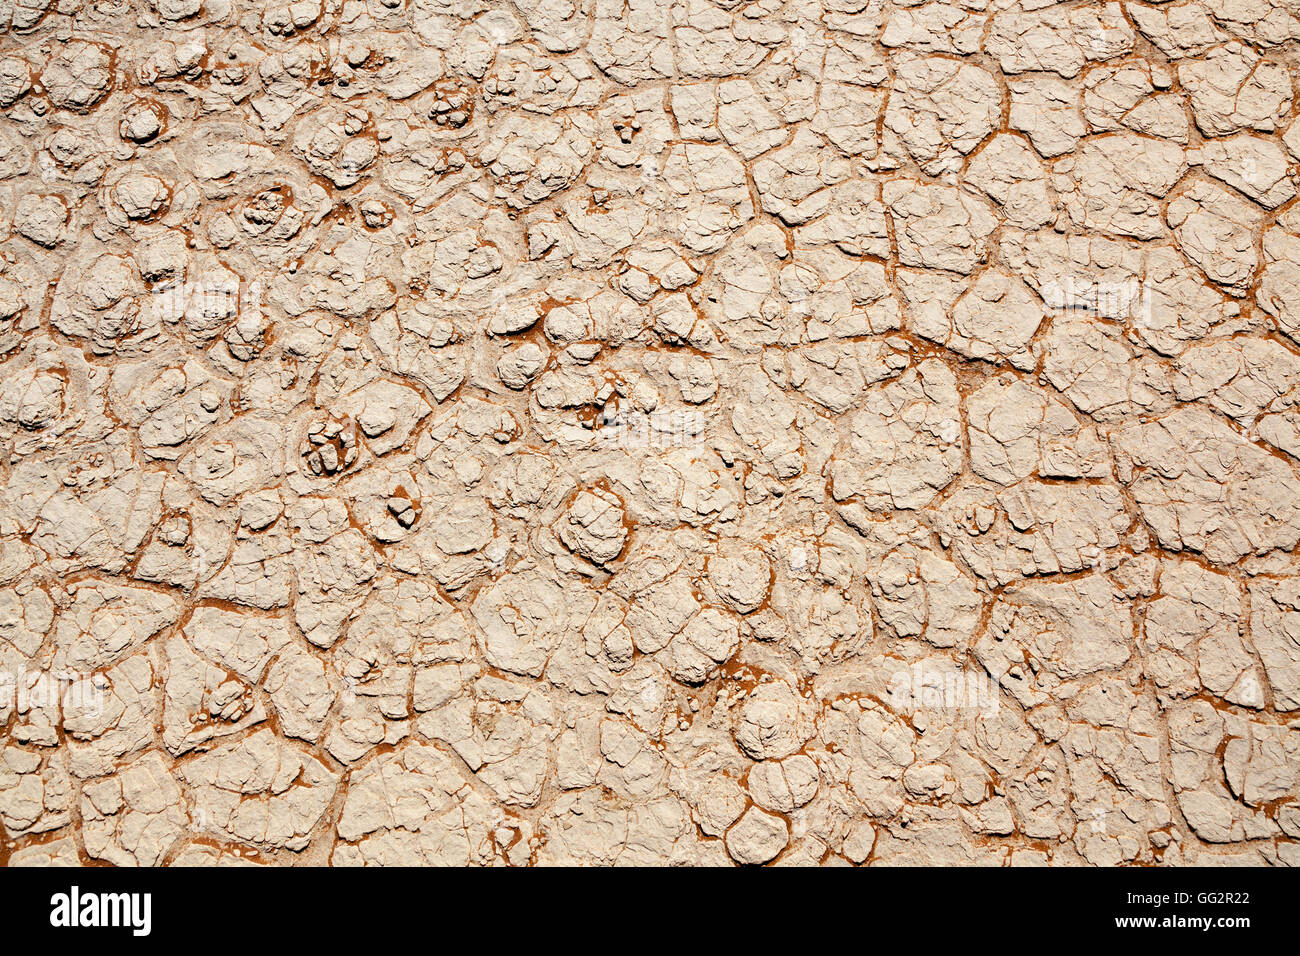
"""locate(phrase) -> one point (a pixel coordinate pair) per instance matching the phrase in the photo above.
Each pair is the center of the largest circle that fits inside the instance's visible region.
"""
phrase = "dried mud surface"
(649, 432)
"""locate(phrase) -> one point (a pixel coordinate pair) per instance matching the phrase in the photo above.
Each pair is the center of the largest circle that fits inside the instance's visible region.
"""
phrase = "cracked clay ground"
(662, 431)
